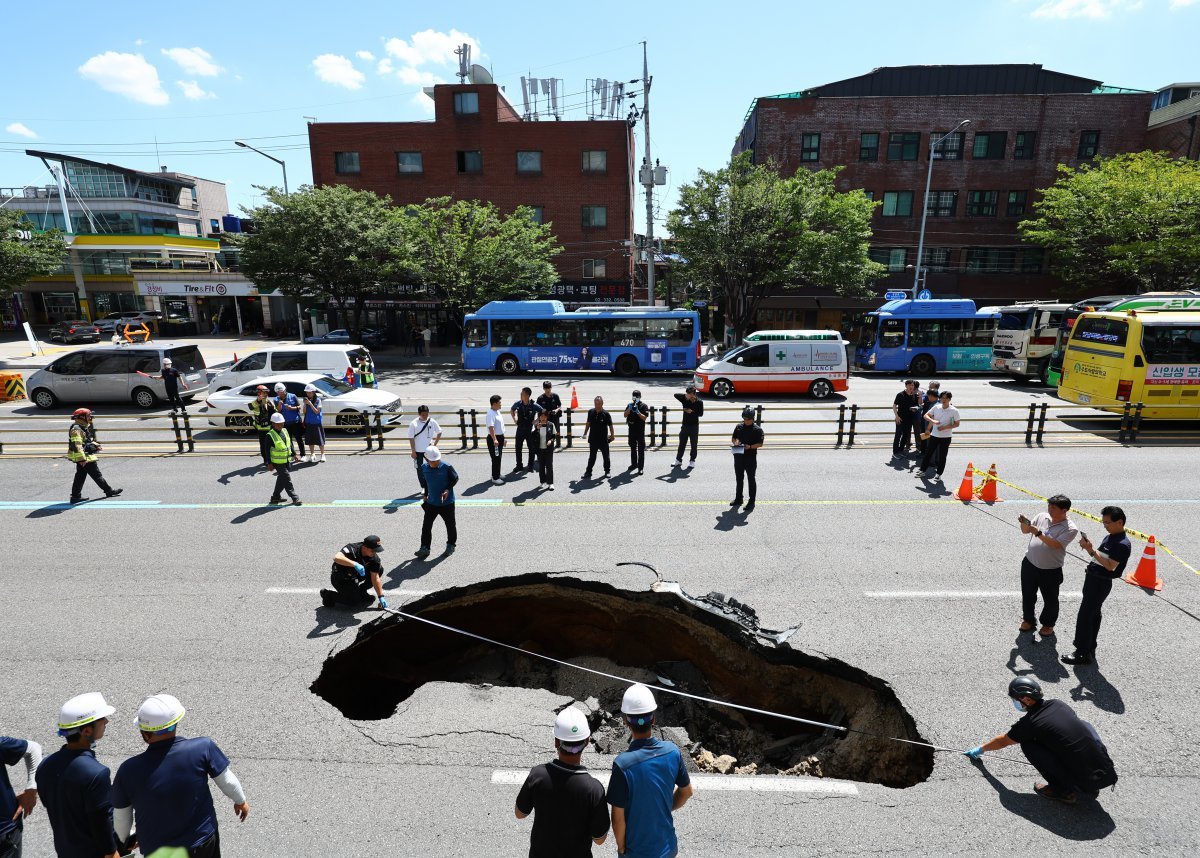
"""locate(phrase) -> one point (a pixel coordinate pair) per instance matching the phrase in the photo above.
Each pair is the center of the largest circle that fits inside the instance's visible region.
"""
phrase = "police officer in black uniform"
(636, 415)
(524, 413)
(550, 402)
(747, 438)
(599, 433)
(356, 571)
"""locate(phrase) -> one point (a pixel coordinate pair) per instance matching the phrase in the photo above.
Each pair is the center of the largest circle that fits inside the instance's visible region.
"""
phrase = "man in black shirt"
(599, 433)
(1107, 564)
(524, 412)
(552, 405)
(905, 406)
(689, 424)
(356, 570)
(171, 379)
(1065, 749)
(746, 440)
(570, 813)
(636, 415)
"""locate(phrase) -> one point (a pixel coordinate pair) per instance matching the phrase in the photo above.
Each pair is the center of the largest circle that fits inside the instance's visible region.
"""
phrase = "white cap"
(433, 454)
(638, 700)
(166, 361)
(309, 388)
(159, 712)
(280, 387)
(276, 417)
(571, 726)
(83, 710)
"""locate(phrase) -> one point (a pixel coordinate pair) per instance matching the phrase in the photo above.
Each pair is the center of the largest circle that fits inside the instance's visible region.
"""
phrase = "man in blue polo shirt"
(648, 783)
(166, 786)
(14, 808)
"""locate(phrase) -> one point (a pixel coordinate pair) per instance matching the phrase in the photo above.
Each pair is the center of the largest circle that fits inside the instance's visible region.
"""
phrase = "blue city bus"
(513, 336)
(924, 337)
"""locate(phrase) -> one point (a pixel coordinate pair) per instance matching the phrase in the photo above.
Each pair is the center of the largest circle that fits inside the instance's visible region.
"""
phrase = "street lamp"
(272, 157)
(933, 144)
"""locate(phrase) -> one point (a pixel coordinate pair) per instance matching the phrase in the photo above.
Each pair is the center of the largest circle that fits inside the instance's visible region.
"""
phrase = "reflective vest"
(281, 447)
(262, 412)
(368, 377)
(77, 436)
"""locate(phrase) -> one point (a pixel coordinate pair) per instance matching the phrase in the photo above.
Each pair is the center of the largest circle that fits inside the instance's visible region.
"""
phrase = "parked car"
(327, 359)
(346, 408)
(106, 323)
(75, 331)
(116, 374)
(370, 338)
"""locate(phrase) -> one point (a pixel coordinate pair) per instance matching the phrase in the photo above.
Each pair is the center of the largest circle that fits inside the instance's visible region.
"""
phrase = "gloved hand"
(975, 753)
(382, 602)
(360, 569)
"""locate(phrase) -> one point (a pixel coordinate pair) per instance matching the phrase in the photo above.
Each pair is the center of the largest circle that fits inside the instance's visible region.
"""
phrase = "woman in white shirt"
(941, 423)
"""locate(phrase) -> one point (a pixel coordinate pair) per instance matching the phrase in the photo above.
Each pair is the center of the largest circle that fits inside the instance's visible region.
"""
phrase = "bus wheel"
(923, 365)
(508, 364)
(820, 389)
(627, 366)
(721, 388)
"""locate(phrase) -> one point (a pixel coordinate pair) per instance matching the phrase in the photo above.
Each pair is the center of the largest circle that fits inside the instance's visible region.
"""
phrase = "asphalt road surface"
(188, 585)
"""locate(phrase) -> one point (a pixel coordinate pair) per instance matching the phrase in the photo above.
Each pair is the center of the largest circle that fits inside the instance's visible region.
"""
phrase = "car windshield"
(732, 353)
(331, 386)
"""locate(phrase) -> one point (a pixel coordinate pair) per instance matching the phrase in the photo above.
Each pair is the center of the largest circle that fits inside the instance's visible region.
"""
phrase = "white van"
(330, 360)
(812, 362)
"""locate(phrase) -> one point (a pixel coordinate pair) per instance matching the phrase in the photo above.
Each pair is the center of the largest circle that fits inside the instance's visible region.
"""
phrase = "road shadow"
(529, 494)
(57, 508)
(1094, 688)
(621, 478)
(674, 475)
(256, 512)
(477, 489)
(582, 484)
(1040, 655)
(411, 569)
(391, 507)
(935, 488)
(335, 620)
(731, 518)
(249, 471)
(900, 462)
(1087, 820)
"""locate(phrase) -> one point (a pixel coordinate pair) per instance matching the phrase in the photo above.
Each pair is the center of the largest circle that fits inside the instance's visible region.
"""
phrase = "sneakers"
(679, 463)
(640, 472)
(604, 476)
(587, 475)
(542, 485)
(113, 493)
(691, 464)
(748, 507)
(322, 457)
(306, 459)
(296, 502)
(450, 547)
(76, 500)
(736, 502)
(422, 552)
(550, 486)
(275, 501)
(497, 482)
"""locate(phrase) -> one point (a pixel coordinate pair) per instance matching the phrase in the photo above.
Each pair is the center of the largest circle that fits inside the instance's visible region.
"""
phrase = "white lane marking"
(955, 594)
(312, 591)
(723, 783)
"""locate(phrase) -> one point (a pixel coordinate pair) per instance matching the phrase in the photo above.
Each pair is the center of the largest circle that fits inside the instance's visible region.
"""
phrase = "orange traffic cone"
(574, 397)
(966, 489)
(1146, 574)
(987, 489)
(235, 357)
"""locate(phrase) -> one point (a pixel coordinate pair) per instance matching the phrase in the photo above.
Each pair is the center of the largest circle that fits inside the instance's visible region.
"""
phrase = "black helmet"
(747, 413)
(1025, 686)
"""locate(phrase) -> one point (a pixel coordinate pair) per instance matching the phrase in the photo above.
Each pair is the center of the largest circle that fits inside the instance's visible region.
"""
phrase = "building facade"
(1173, 119)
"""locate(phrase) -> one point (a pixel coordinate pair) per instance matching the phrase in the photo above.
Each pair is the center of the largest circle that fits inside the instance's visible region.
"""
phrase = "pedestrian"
(940, 424)
(289, 406)
(904, 406)
(1049, 533)
(261, 409)
(278, 436)
(636, 415)
(216, 325)
(567, 803)
(524, 413)
(312, 413)
(1108, 562)
(1065, 749)
(164, 789)
(598, 431)
(427, 338)
(745, 443)
(552, 404)
(438, 501)
(418, 340)
(920, 430)
(423, 432)
(171, 379)
(648, 783)
(16, 807)
(366, 372)
(75, 788)
(356, 571)
(689, 424)
(495, 439)
(82, 448)
(545, 440)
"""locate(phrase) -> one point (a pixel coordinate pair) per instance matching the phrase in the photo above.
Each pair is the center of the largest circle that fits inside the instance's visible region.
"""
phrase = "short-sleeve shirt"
(291, 413)
(354, 551)
(943, 426)
(1115, 546)
(171, 378)
(76, 791)
(526, 413)
(167, 787)
(422, 431)
(636, 408)
(907, 404)
(697, 408)
(1042, 555)
(552, 403)
(495, 420)
(747, 435)
(11, 752)
(643, 784)
(600, 422)
(1055, 726)
(568, 810)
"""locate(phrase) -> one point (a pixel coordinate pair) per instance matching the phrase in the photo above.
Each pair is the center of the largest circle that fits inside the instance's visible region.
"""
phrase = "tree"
(746, 232)
(1130, 223)
(26, 253)
(471, 254)
(328, 243)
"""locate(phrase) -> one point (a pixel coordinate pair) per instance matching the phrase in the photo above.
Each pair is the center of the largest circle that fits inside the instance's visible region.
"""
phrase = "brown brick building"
(578, 175)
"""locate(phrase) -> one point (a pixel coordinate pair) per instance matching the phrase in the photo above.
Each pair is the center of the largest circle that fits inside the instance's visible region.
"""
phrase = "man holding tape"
(1049, 533)
(1108, 562)
(356, 571)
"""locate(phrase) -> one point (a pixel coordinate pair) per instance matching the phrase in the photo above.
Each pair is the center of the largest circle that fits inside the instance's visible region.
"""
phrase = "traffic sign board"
(924, 295)
(895, 296)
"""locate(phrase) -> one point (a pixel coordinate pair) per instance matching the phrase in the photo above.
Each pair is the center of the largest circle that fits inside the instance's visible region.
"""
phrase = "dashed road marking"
(723, 783)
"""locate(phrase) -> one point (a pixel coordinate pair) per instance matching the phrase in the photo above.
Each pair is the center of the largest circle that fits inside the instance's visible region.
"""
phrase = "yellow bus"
(1146, 356)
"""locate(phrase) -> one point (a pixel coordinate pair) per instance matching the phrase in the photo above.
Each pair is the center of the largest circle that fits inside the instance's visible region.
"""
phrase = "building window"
(1031, 260)
(1089, 144)
(897, 203)
(345, 162)
(1023, 148)
(935, 258)
(594, 268)
(538, 214)
(990, 260)
(982, 203)
(895, 258)
(1016, 203)
(810, 147)
(466, 103)
(951, 148)
(989, 145)
(868, 147)
(595, 161)
(470, 161)
(870, 195)
(595, 216)
(409, 162)
(529, 162)
(903, 145)
(941, 203)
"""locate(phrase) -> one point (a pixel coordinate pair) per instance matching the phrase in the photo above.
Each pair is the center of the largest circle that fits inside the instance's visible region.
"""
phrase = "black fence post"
(474, 429)
(175, 426)
(1041, 427)
(1136, 423)
(570, 431)
(187, 431)
(653, 428)
(379, 427)
(462, 427)
(664, 425)
(758, 411)
(853, 424)
(841, 426)
(1124, 424)
(1029, 423)
(366, 425)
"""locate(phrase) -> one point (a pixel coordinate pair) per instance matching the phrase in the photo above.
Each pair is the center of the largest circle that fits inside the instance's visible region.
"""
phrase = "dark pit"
(710, 646)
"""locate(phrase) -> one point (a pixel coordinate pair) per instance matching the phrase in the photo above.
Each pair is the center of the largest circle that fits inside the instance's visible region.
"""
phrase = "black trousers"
(935, 454)
(637, 446)
(918, 426)
(173, 399)
(546, 466)
(495, 453)
(350, 589)
(417, 462)
(1052, 767)
(525, 437)
(745, 465)
(10, 843)
(210, 848)
(903, 436)
(688, 432)
(600, 445)
(1087, 624)
(283, 482)
(83, 470)
(296, 437)
(1047, 581)
(446, 513)
(264, 447)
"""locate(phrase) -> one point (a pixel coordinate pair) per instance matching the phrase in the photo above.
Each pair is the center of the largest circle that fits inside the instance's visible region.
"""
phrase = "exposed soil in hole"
(648, 636)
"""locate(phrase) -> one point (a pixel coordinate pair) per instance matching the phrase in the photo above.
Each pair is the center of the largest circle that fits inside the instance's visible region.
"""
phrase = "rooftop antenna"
(311, 119)
(464, 62)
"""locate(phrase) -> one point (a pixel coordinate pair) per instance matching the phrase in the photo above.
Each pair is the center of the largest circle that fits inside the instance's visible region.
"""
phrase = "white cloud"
(416, 77)
(338, 71)
(423, 102)
(20, 130)
(196, 61)
(126, 74)
(1094, 9)
(365, 55)
(1180, 4)
(430, 46)
(194, 91)
(384, 67)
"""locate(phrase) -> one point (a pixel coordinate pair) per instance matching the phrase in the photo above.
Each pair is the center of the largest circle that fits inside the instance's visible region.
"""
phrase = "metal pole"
(648, 181)
(925, 207)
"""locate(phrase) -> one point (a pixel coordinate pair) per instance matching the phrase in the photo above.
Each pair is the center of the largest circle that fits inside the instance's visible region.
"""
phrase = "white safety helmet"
(166, 361)
(159, 712)
(276, 417)
(280, 387)
(638, 700)
(310, 388)
(433, 454)
(571, 726)
(82, 710)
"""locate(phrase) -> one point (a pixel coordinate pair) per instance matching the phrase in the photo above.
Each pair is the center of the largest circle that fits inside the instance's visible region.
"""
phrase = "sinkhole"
(711, 646)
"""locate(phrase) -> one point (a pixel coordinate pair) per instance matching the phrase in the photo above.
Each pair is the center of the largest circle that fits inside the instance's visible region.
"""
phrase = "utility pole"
(647, 177)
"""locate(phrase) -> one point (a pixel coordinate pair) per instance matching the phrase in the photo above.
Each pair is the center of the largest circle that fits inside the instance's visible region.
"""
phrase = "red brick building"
(1025, 121)
(1173, 119)
(577, 175)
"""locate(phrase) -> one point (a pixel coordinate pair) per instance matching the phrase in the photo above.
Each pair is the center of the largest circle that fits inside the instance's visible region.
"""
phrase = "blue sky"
(91, 81)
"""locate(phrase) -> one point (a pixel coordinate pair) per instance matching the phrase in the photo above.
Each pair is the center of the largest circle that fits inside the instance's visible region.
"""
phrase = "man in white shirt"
(495, 439)
(941, 422)
(1049, 534)
(423, 432)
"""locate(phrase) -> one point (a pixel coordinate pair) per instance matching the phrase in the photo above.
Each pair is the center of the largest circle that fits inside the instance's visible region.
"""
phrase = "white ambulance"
(812, 362)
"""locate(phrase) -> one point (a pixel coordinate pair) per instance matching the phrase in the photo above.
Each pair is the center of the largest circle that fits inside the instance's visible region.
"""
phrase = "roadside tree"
(25, 252)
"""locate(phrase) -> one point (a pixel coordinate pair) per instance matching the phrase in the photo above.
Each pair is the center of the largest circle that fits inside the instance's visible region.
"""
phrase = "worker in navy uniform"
(1065, 749)
(15, 807)
(598, 432)
(356, 571)
(636, 415)
(689, 424)
(1108, 562)
(746, 440)
(82, 448)
(524, 413)
(552, 405)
